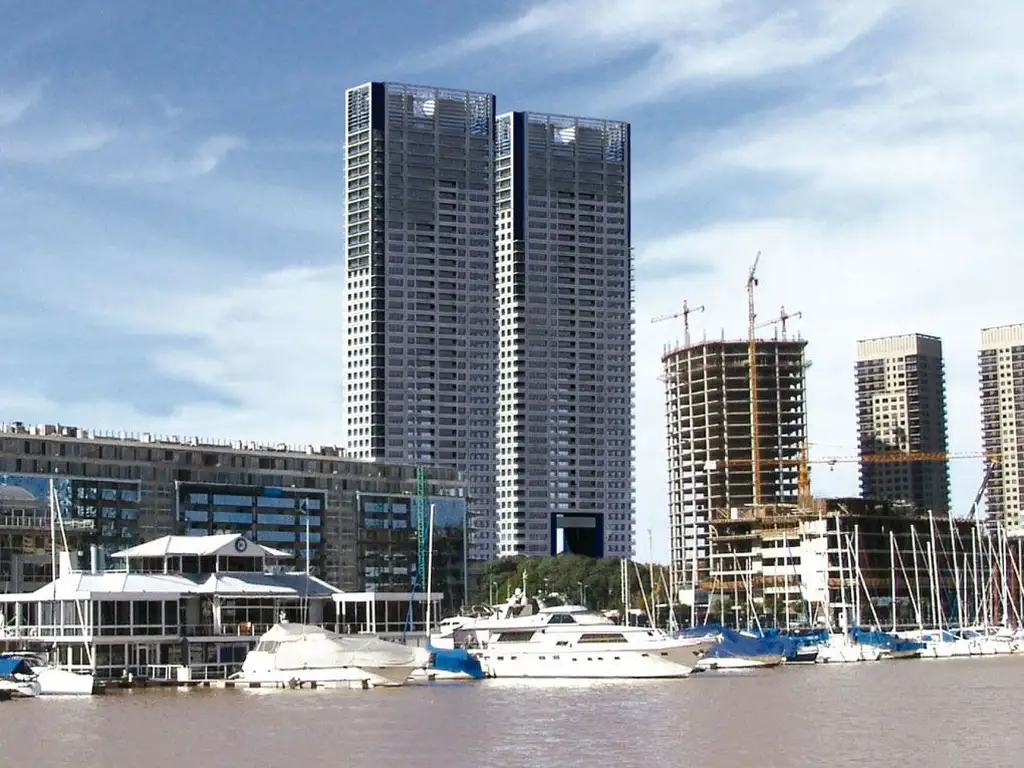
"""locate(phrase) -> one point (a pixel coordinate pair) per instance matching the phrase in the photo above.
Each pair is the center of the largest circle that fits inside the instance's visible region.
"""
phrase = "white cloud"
(158, 164)
(659, 47)
(270, 344)
(15, 103)
(896, 211)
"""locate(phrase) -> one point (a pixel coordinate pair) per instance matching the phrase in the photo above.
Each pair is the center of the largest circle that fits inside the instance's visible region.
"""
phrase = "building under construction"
(717, 410)
(846, 562)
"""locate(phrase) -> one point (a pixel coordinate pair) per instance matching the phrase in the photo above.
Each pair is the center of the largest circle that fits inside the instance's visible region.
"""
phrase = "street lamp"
(583, 593)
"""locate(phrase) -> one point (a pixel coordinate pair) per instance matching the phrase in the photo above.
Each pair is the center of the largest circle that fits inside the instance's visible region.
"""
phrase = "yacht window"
(561, 618)
(267, 646)
(514, 637)
(603, 637)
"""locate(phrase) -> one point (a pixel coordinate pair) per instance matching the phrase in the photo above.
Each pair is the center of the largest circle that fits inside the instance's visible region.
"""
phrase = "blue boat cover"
(732, 643)
(456, 660)
(885, 640)
(14, 665)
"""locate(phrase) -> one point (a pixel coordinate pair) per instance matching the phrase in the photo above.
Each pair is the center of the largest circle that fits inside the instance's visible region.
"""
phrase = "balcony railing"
(42, 523)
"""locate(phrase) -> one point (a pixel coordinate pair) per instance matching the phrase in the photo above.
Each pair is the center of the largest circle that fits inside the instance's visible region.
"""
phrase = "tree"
(595, 582)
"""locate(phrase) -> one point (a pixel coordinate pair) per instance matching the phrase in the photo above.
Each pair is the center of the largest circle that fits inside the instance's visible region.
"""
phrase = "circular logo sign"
(241, 544)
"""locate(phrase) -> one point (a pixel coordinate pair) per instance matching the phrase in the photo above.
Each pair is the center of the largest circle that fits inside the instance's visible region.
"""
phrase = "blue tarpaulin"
(14, 665)
(456, 660)
(733, 643)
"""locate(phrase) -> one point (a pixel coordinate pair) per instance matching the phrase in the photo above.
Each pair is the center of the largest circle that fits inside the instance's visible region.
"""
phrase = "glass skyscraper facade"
(420, 324)
(389, 546)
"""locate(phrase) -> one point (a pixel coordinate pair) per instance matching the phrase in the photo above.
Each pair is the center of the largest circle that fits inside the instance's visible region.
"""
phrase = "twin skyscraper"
(490, 311)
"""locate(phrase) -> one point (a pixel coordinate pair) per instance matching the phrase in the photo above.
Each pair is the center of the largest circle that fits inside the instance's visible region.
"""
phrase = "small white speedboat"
(54, 681)
(17, 678)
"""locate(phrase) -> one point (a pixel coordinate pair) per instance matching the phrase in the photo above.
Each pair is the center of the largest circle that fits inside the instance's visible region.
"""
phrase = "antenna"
(755, 416)
(685, 314)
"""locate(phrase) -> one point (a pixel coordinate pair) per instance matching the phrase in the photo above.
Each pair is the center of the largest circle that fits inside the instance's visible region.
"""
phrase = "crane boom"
(684, 313)
(781, 319)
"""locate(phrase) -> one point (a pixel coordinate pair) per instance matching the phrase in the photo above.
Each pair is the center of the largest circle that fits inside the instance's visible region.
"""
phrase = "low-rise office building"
(116, 491)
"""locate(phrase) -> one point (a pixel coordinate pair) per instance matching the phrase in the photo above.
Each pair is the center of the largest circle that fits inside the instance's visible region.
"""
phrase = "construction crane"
(421, 514)
(755, 417)
(870, 458)
(685, 314)
(781, 319)
(804, 462)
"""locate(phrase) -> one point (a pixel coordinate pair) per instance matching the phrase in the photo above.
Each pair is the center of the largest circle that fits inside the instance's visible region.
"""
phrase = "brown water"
(956, 713)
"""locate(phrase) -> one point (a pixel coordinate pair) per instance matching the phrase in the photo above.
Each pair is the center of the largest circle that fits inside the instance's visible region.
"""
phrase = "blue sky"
(170, 191)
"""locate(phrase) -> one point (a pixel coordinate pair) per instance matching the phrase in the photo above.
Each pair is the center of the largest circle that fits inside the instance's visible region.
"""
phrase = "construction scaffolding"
(840, 563)
(712, 432)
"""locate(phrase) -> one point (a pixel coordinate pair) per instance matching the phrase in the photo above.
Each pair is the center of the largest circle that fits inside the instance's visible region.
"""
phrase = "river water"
(931, 714)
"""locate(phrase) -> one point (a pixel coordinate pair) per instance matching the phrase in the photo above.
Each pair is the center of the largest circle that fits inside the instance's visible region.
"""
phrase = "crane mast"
(755, 419)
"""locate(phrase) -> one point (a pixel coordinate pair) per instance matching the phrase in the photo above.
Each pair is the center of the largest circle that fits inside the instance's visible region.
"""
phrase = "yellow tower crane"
(755, 416)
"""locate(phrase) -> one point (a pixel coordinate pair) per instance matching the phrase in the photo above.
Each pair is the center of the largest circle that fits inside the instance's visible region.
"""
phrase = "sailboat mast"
(307, 537)
(430, 567)
(53, 537)
(892, 574)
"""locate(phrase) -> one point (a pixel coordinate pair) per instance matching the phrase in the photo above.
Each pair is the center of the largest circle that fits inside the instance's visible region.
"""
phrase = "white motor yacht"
(298, 655)
(17, 678)
(54, 681)
(523, 639)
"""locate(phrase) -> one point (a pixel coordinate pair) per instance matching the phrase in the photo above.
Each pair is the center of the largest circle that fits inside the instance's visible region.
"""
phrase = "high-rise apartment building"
(710, 442)
(421, 333)
(565, 298)
(1001, 369)
(901, 408)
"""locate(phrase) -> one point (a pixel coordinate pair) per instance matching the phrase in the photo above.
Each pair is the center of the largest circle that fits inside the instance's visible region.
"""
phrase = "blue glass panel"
(129, 494)
(232, 517)
(128, 513)
(276, 503)
(232, 500)
(196, 515)
(311, 520)
(265, 535)
(267, 518)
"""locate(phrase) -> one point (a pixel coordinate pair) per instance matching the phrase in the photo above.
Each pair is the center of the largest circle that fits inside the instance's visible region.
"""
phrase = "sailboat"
(48, 675)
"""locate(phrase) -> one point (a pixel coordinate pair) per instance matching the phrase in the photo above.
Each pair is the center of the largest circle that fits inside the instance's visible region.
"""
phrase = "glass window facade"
(388, 546)
(275, 517)
(92, 511)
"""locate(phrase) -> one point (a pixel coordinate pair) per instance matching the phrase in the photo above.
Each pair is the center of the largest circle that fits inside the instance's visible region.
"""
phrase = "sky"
(171, 233)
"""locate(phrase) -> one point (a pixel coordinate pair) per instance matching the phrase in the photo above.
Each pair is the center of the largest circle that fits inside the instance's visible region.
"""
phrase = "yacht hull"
(592, 663)
(62, 682)
(739, 662)
(336, 677)
(20, 689)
